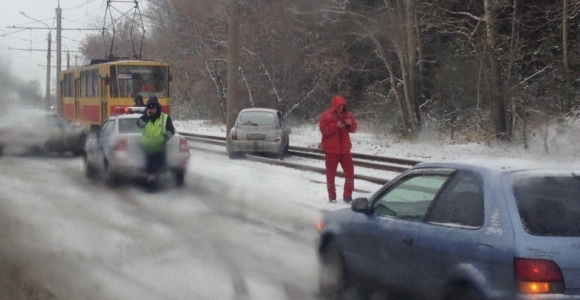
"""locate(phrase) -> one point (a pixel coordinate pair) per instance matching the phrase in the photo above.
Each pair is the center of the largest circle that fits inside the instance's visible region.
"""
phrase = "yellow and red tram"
(90, 94)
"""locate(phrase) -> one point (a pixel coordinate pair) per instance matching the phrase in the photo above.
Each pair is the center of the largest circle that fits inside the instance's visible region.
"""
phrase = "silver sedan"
(114, 150)
(40, 132)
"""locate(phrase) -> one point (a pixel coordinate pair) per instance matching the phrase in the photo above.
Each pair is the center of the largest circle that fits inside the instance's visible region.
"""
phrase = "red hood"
(336, 101)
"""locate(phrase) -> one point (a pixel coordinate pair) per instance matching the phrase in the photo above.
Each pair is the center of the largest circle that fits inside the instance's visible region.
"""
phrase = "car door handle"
(407, 240)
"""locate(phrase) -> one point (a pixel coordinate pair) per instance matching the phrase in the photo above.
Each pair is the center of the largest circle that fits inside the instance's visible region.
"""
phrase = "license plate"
(255, 136)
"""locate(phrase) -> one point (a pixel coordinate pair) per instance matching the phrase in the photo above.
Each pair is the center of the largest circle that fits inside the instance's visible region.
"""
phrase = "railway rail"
(361, 160)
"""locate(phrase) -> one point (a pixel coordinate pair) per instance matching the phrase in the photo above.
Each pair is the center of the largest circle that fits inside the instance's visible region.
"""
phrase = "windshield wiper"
(249, 122)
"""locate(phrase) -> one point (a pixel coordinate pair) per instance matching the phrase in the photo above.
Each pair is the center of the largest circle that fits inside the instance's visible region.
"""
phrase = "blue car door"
(452, 239)
(390, 236)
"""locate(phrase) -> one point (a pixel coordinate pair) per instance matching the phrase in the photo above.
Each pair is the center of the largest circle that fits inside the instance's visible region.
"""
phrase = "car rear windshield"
(257, 118)
(549, 205)
(129, 126)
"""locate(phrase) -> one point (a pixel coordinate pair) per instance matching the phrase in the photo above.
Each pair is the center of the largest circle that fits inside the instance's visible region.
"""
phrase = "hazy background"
(24, 29)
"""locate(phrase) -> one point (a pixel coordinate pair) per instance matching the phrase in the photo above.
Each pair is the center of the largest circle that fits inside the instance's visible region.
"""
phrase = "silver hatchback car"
(258, 130)
(473, 229)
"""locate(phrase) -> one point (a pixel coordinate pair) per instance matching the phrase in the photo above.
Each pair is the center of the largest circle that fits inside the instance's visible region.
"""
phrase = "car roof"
(127, 116)
(501, 165)
(259, 109)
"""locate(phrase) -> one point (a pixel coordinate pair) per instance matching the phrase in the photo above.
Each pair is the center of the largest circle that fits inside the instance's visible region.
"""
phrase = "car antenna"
(109, 29)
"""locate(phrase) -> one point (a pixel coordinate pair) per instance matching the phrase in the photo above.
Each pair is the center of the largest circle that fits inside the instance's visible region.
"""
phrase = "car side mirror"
(360, 205)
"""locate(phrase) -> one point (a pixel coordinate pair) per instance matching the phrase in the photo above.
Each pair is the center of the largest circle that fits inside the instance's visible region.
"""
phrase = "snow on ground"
(563, 143)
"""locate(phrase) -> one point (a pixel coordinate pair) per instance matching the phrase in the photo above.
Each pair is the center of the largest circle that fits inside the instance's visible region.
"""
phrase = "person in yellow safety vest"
(157, 130)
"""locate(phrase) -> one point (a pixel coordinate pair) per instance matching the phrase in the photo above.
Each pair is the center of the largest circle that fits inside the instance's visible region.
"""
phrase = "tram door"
(77, 89)
(104, 97)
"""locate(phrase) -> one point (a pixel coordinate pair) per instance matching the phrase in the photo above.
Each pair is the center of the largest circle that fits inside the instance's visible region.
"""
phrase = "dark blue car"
(472, 229)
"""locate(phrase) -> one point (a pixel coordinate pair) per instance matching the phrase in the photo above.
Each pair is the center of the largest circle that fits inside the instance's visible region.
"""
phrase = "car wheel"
(179, 177)
(47, 148)
(464, 291)
(332, 273)
(232, 155)
(111, 179)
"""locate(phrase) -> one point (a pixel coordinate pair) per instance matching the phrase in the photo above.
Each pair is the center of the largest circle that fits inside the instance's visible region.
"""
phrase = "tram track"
(372, 162)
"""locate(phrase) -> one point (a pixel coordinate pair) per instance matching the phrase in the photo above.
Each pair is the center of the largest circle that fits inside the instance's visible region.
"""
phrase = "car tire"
(332, 272)
(46, 149)
(232, 155)
(179, 177)
(463, 291)
(111, 179)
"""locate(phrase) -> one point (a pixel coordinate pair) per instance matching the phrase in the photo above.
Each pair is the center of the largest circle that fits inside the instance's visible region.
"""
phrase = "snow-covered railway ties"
(311, 158)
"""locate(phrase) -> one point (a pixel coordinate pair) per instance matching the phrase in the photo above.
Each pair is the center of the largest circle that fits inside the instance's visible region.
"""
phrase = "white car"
(258, 130)
(36, 131)
(114, 150)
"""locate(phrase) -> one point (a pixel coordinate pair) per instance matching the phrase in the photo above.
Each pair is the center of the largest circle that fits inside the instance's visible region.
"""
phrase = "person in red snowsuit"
(336, 125)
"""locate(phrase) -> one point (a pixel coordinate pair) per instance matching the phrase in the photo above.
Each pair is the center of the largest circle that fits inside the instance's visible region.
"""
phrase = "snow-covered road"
(237, 230)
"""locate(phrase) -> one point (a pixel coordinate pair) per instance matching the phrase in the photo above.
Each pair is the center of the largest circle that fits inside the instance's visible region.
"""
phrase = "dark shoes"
(346, 199)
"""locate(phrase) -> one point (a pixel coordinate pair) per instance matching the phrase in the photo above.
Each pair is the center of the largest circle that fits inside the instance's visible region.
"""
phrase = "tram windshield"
(139, 80)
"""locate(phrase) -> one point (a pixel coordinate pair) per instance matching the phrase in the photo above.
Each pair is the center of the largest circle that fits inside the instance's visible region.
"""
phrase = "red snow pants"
(332, 160)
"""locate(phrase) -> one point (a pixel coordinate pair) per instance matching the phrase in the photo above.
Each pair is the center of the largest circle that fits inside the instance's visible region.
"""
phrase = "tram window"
(83, 84)
(142, 80)
(89, 83)
(95, 83)
(114, 86)
(68, 85)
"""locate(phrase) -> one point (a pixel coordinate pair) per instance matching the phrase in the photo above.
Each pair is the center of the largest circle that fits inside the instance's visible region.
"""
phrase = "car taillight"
(183, 146)
(320, 225)
(538, 276)
(234, 135)
(121, 145)
(278, 135)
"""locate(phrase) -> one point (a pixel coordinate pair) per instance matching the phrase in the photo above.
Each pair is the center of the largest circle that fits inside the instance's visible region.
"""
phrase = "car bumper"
(127, 165)
(255, 146)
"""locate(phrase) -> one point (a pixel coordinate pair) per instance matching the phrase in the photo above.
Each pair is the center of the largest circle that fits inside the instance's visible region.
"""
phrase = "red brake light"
(278, 135)
(538, 276)
(183, 146)
(128, 110)
(121, 145)
(234, 134)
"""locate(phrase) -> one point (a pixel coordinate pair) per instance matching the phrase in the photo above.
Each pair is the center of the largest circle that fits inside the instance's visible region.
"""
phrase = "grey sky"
(24, 50)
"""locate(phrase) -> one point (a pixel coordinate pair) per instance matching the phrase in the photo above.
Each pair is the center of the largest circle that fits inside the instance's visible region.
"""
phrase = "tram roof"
(98, 61)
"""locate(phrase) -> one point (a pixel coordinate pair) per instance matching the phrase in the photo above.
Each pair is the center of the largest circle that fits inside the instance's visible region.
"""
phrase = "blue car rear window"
(549, 205)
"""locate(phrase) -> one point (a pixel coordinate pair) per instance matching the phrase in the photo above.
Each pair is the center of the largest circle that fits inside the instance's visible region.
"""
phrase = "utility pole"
(68, 60)
(47, 93)
(232, 79)
(58, 58)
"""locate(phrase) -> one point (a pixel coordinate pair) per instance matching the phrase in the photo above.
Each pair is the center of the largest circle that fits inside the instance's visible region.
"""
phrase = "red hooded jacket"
(334, 139)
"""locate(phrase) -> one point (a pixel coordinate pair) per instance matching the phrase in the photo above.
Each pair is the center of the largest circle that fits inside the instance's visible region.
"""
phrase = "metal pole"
(59, 107)
(232, 78)
(47, 93)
